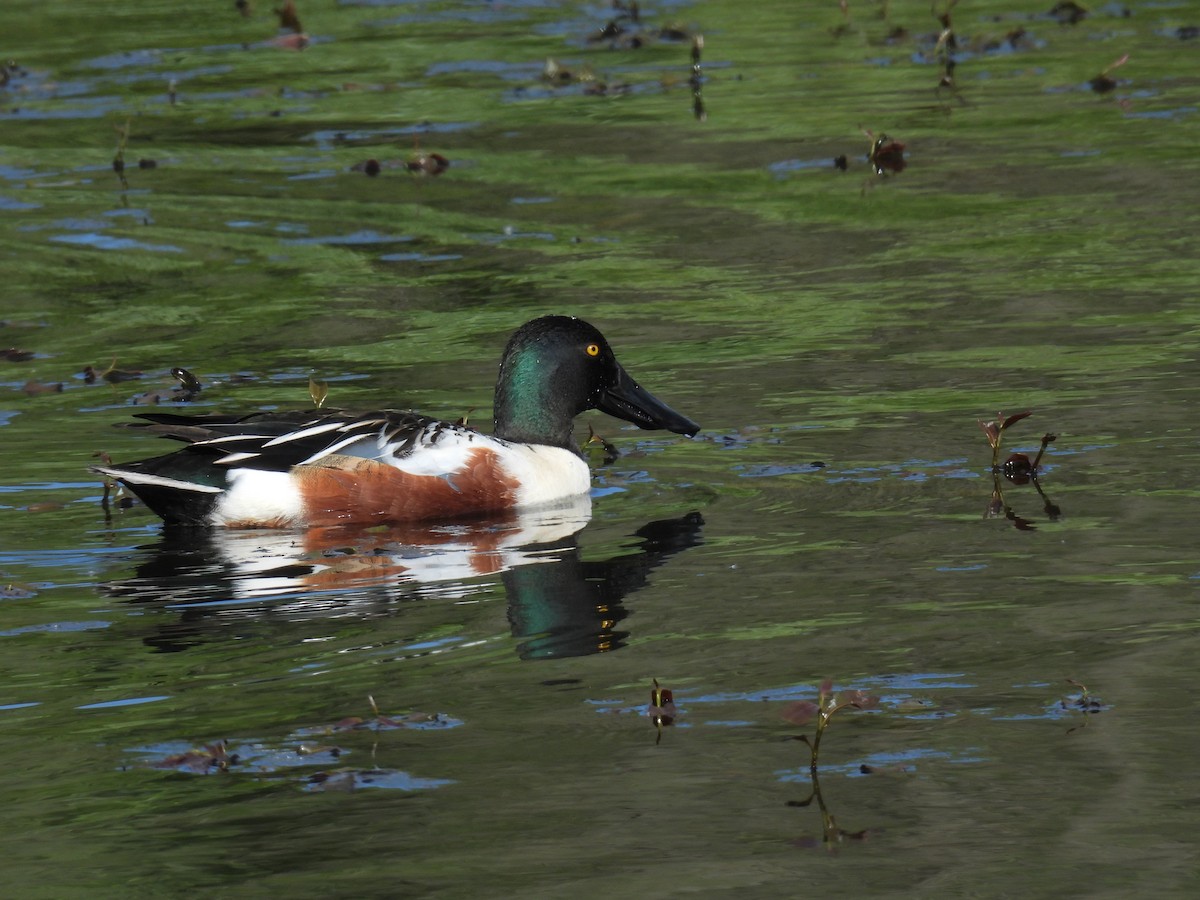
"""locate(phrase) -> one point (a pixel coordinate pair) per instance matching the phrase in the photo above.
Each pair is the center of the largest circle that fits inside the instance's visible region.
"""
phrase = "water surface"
(462, 711)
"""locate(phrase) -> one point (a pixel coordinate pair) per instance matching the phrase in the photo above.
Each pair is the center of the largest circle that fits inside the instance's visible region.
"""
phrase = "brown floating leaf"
(801, 712)
(213, 756)
(288, 18)
(16, 354)
(33, 388)
(859, 699)
(1013, 419)
(43, 507)
(992, 430)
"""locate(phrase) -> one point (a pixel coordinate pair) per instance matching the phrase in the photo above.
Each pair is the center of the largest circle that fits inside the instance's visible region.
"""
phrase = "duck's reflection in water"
(558, 604)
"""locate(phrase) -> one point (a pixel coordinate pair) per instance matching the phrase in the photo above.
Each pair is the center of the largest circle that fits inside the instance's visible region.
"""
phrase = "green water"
(1037, 252)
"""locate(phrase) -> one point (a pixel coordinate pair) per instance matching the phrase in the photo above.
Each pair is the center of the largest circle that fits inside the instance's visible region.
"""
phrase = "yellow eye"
(593, 349)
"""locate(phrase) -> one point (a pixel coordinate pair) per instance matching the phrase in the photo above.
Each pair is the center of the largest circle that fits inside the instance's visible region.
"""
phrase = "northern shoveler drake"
(321, 468)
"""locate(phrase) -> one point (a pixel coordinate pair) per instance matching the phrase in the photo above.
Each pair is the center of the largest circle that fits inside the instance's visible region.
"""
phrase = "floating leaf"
(288, 17)
(16, 354)
(992, 430)
(33, 388)
(1013, 419)
(201, 761)
(800, 712)
(859, 699)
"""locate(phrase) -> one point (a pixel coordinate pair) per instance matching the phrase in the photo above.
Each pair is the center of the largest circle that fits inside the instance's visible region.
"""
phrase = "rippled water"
(462, 711)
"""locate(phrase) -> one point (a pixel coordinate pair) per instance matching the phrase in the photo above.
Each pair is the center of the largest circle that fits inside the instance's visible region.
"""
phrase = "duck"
(322, 468)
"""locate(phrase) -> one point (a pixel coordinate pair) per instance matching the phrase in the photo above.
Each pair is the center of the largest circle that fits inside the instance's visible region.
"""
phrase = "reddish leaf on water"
(33, 388)
(1013, 419)
(992, 430)
(800, 712)
(213, 756)
(390, 722)
(826, 688)
(288, 18)
(858, 699)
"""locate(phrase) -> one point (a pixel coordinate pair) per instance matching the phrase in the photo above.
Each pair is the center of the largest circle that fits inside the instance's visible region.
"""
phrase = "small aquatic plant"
(994, 430)
(828, 704)
(1018, 469)
(662, 710)
(1104, 83)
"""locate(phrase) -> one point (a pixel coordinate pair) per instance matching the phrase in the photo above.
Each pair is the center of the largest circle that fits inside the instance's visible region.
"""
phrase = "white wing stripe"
(303, 433)
(231, 458)
(332, 448)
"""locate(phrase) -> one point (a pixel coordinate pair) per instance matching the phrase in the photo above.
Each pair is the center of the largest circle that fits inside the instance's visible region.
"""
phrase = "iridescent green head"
(556, 367)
